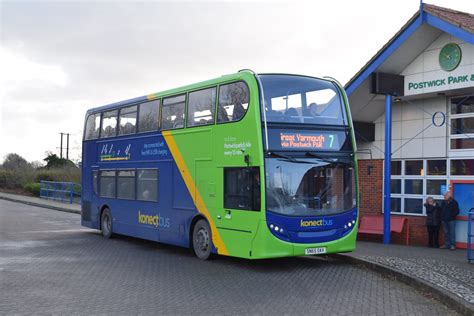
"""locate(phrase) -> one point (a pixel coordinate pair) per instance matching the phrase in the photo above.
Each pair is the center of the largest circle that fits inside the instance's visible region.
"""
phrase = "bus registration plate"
(315, 251)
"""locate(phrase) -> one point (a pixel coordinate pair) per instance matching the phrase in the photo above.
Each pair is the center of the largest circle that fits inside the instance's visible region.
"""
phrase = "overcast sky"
(59, 58)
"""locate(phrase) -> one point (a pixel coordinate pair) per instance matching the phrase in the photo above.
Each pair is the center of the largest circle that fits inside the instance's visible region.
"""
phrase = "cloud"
(60, 58)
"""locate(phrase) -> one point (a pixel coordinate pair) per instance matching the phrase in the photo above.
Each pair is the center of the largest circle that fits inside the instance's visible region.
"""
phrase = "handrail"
(65, 192)
(470, 235)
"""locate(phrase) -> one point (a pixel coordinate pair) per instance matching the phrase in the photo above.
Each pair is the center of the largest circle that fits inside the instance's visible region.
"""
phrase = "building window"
(396, 186)
(462, 123)
(410, 188)
(147, 185)
(233, 102)
(462, 105)
(396, 167)
(462, 143)
(126, 184)
(109, 124)
(435, 187)
(128, 120)
(413, 186)
(107, 183)
(201, 107)
(409, 191)
(414, 167)
(396, 205)
(413, 206)
(436, 167)
(462, 167)
(172, 112)
(148, 116)
(242, 188)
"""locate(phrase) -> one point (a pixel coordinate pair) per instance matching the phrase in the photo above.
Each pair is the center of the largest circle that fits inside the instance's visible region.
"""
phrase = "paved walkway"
(51, 265)
(446, 269)
(35, 201)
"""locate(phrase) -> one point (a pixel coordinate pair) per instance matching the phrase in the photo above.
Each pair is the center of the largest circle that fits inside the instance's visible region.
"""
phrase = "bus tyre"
(202, 240)
(106, 223)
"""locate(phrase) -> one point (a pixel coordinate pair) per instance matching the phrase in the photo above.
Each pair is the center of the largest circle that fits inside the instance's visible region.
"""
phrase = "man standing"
(449, 211)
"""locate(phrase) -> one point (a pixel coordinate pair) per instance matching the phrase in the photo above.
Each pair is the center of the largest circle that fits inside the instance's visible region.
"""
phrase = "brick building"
(430, 63)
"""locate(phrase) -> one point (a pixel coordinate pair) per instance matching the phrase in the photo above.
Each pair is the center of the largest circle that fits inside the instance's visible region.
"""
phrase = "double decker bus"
(246, 165)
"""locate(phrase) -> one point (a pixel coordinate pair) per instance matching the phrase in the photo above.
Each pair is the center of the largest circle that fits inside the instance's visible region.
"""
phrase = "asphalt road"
(49, 264)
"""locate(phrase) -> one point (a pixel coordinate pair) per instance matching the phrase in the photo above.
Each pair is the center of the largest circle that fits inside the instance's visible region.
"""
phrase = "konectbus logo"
(153, 220)
(316, 223)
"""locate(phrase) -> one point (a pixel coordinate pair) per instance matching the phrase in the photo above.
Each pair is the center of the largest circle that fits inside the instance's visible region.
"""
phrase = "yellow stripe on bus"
(197, 198)
(151, 97)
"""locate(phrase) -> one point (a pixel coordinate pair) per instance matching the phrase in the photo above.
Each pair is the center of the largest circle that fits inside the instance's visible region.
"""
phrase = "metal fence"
(470, 235)
(66, 192)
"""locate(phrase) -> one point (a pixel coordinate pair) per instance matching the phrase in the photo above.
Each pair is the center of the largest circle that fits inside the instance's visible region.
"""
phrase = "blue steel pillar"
(387, 172)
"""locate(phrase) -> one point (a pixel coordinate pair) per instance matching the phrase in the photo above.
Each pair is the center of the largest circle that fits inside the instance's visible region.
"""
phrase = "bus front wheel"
(106, 223)
(202, 240)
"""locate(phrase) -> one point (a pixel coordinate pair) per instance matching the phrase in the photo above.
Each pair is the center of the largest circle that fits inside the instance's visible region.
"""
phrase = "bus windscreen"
(301, 100)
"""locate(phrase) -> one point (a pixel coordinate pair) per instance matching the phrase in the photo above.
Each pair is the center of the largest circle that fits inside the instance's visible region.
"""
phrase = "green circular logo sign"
(450, 56)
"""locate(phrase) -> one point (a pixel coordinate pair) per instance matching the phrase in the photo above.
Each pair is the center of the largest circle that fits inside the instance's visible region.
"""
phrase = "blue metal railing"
(66, 192)
(470, 235)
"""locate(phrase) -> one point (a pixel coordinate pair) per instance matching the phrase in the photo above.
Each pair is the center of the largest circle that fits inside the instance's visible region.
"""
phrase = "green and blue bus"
(246, 165)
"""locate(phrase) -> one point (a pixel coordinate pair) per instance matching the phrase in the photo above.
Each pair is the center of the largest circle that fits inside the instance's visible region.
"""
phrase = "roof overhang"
(412, 39)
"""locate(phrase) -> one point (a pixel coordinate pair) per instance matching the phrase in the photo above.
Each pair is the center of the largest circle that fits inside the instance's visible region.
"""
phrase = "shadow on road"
(261, 265)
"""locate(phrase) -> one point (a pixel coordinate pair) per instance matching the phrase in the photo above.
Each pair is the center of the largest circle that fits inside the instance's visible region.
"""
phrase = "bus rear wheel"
(202, 240)
(106, 223)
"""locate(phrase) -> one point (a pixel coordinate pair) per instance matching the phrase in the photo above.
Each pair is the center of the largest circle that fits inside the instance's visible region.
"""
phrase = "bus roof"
(152, 96)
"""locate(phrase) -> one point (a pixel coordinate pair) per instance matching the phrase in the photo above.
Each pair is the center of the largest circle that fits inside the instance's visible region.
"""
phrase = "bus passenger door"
(89, 198)
(239, 213)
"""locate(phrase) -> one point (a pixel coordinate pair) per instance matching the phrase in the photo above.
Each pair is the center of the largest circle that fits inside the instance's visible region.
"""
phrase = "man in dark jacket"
(433, 221)
(449, 211)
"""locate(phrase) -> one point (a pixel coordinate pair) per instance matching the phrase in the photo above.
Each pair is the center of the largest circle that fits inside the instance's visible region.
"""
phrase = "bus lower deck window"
(147, 185)
(107, 183)
(126, 184)
(242, 188)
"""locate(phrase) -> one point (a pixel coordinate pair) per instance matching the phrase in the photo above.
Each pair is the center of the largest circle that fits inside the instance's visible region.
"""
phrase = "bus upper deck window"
(172, 113)
(201, 107)
(92, 126)
(128, 120)
(148, 116)
(233, 102)
(109, 124)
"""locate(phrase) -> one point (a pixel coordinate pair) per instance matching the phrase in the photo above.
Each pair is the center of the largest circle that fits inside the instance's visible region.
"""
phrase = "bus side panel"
(166, 220)
(179, 209)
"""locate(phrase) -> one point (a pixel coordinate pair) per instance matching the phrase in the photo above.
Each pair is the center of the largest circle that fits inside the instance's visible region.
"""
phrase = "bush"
(33, 188)
(12, 179)
(59, 175)
(17, 173)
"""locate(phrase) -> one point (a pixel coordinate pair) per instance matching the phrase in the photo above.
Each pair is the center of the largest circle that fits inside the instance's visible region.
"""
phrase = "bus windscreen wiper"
(288, 158)
(312, 154)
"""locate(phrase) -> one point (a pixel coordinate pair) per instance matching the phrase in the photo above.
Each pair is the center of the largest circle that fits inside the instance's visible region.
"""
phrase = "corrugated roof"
(461, 19)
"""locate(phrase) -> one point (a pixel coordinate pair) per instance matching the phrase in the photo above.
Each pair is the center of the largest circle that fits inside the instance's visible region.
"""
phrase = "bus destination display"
(305, 140)
(298, 140)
